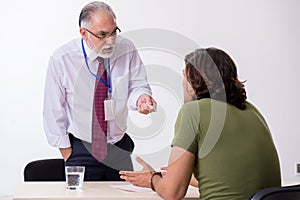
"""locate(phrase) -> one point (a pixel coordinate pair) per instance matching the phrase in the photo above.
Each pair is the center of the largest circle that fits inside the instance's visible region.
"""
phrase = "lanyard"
(107, 84)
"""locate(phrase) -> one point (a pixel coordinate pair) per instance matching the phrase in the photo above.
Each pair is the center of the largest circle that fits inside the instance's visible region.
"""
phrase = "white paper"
(109, 108)
(131, 188)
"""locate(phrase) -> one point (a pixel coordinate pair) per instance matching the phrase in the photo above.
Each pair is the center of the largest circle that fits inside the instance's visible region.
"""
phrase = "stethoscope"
(108, 83)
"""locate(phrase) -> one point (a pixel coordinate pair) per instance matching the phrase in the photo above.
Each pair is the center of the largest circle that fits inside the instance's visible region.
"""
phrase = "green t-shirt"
(234, 150)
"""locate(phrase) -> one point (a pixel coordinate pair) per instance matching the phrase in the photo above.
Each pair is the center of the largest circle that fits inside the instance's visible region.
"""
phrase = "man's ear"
(83, 33)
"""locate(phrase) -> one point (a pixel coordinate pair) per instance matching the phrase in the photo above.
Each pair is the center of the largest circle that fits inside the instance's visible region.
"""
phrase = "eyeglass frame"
(104, 34)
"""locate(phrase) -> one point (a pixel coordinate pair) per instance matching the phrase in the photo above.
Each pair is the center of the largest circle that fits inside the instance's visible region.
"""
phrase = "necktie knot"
(100, 60)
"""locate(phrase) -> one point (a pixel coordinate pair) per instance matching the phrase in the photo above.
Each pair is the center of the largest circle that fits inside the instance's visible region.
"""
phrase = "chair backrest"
(277, 193)
(45, 170)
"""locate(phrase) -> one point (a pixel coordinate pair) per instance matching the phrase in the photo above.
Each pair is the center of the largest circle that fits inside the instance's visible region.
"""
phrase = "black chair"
(45, 170)
(278, 193)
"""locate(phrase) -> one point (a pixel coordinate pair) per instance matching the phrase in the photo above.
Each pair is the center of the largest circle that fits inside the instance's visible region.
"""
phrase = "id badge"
(109, 108)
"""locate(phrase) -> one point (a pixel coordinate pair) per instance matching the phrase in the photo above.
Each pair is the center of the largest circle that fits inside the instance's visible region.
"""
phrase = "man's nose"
(110, 40)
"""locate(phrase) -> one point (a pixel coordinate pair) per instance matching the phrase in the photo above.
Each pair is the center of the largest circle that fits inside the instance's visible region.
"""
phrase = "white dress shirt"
(69, 91)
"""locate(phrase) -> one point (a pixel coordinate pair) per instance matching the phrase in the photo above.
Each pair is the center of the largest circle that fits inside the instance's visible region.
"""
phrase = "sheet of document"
(131, 188)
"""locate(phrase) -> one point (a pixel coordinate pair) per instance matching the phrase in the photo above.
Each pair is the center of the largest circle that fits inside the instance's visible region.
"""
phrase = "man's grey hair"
(92, 7)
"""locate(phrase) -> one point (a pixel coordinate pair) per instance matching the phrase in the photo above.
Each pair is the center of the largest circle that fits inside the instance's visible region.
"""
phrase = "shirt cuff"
(62, 141)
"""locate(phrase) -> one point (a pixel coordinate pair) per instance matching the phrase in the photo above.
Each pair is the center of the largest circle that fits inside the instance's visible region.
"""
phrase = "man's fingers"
(144, 109)
(143, 163)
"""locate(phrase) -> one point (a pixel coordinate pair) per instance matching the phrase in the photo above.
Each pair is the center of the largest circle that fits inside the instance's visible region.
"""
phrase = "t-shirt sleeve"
(187, 128)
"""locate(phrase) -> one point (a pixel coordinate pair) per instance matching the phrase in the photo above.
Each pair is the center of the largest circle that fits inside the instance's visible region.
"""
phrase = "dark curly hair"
(213, 74)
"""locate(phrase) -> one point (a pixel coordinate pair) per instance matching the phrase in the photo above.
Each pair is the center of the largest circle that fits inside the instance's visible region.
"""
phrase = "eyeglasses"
(102, 35)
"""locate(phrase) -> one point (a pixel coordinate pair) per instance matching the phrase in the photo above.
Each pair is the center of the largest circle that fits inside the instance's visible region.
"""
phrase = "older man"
(91, 82)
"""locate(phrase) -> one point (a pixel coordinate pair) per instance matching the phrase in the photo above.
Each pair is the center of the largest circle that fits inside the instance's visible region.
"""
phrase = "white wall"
(261, 36)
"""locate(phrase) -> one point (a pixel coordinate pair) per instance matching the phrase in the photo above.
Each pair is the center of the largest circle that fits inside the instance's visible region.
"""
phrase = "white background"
(261, 36)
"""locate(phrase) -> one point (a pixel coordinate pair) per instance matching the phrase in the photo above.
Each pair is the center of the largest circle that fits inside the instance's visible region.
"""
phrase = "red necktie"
(99, 125)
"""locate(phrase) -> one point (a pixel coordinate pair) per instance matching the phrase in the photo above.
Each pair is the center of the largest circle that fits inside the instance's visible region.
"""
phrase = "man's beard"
(105, 51)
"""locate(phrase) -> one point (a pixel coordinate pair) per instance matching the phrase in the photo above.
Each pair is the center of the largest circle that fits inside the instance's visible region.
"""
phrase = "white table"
(90, 191)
